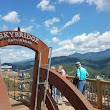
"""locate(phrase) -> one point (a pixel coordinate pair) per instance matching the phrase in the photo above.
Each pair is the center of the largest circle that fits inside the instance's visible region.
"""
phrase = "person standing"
(81, 74)
(51, 86)
(55, 92)
(61, 71)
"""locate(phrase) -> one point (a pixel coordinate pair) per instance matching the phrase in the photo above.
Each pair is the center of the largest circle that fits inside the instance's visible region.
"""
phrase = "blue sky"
(68, 26)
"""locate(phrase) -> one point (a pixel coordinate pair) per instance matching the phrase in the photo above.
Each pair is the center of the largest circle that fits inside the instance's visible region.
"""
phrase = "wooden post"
(99, 94)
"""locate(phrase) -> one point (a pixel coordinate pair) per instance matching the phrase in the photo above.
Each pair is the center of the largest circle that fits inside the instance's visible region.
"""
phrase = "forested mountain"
(92, 55)
(94, 67)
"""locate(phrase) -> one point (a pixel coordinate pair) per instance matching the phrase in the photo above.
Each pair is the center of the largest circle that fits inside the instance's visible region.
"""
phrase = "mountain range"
(92, 55)
(96, 63)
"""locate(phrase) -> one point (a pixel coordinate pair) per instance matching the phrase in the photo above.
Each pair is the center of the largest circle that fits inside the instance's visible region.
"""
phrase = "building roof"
(6, 67)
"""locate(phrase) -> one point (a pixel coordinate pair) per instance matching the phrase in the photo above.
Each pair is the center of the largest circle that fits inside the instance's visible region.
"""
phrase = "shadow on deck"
(17, 105)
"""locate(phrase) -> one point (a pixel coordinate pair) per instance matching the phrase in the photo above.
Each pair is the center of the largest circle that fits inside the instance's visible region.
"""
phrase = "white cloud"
(45, 5)
(72, 1)
(50, 22)
(101, 5)
(11, 17)
(61, 0)
(54, 30)
(32, 20)
(80, 39)
(74, 19)
(16, 54)
(0, 17)
(11, 56)
(104, 38)
(47, 40)
(24, 53)
(25, 29)
(66, 49)
(5, 27)
(64, 42)
(55, 39)
(92, 42)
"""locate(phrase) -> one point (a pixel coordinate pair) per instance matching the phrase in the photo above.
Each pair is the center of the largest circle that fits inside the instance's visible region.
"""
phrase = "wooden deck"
(65, 105)
(17, 105)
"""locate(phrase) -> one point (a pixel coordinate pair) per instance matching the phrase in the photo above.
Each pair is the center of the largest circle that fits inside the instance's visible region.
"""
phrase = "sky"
(68, 26)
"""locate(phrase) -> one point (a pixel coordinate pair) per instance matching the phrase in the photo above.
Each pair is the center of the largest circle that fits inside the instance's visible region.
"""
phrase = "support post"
(33, 95)
(99, 94)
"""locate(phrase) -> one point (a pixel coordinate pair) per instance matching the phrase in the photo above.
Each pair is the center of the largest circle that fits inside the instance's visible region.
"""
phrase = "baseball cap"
(77, 63)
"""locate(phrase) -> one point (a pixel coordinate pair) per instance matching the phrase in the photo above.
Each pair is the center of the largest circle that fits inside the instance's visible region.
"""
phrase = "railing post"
(8, 86)
(99, 94)
(14, 87)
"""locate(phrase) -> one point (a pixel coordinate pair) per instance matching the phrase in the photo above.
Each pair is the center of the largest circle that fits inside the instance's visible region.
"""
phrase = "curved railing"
(94, 95)
(68, 90)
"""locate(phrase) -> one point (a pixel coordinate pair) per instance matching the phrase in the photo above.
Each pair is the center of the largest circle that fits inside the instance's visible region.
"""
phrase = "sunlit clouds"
(11, 17)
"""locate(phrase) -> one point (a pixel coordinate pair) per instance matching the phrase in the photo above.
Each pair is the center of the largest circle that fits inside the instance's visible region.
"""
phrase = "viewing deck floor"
(65, 105)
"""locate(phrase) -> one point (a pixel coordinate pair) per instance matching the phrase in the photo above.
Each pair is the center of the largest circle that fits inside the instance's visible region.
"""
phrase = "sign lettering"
(22, 37)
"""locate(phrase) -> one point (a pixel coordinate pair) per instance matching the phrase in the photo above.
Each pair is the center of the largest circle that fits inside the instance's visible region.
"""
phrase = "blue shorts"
(82, 86)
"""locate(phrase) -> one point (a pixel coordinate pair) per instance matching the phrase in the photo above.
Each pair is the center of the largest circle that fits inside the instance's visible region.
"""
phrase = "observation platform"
(17, 105)
(65, 105)
(41, 63)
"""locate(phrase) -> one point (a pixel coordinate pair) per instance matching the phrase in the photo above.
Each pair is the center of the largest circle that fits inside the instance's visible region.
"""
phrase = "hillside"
(21, 65)
(95, 56)
(101, 67)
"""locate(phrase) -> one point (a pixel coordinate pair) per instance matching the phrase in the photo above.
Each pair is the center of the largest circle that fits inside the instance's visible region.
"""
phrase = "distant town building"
(6, 68)
(100, 77)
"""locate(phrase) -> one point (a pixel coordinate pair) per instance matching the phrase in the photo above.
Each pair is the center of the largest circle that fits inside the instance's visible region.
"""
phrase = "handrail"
(98, 92)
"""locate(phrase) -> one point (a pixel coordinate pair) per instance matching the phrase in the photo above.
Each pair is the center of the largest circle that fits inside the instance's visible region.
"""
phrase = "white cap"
(77, 63)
